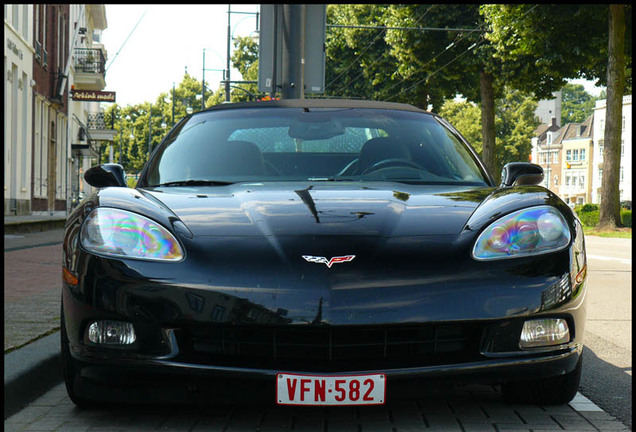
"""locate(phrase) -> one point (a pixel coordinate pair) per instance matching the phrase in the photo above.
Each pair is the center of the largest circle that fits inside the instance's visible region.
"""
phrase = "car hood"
(375, 209)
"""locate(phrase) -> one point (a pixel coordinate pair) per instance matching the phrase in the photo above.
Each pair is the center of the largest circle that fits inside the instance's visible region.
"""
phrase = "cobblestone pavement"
(468, 409)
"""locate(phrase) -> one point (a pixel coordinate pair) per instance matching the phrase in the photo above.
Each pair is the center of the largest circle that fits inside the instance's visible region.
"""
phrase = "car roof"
(319, 103)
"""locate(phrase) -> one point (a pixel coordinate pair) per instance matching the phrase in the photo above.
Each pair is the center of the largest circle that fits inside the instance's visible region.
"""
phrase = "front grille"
(331, 348)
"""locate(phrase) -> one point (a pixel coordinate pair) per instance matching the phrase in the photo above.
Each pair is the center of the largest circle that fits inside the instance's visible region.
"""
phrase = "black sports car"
(324, 251)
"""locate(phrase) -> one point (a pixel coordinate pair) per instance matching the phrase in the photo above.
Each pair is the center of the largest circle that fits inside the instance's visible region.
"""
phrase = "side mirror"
(521, 173)
(106, 175)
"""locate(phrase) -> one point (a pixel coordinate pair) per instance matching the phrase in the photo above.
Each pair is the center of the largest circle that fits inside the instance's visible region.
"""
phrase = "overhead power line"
(384, 28)
(446, 29)
(476, 44)
(122, 45)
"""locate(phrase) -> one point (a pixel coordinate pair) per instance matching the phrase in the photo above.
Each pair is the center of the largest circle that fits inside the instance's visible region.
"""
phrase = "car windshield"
(319, 144)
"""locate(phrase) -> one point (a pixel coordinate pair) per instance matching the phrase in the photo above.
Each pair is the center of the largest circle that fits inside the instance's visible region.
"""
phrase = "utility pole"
(149, 131)
(293, 55)
(229, 36)
(172, 104)
(203, 84)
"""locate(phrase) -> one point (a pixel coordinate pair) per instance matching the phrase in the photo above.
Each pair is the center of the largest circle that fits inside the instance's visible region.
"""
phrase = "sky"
(170, 38)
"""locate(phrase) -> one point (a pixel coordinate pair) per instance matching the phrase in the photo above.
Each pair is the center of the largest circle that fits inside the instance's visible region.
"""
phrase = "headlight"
(120, 233)
(525, 232)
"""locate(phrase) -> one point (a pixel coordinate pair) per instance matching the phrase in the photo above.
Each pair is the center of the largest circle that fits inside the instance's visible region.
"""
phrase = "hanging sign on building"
(92, 96)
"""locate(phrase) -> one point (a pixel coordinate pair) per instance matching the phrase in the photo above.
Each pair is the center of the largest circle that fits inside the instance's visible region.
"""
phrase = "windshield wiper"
(195, 183)
(330, 179)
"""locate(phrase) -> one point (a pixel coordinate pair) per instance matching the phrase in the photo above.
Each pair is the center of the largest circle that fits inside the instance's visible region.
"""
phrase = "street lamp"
(149, 131)
(203, 80)
(230, 36)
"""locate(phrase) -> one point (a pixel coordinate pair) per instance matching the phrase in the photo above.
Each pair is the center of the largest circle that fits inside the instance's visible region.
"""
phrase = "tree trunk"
(488, 122)
(609, 214)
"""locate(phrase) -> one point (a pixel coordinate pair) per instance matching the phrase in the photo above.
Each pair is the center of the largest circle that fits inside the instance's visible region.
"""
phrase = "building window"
(582, 154)
(602, 128)
(36, 15)
(575, 156)
(622, 148)
(16, 16)
(568, 155)
(567, 180)
(601, 147)
(582, 181)
(600, 175)
(621, 174)
(555, 157)
(44, 32)
(25, 31)
(623, 123)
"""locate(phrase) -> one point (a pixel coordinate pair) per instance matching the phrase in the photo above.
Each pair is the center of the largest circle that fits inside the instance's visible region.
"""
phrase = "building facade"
(576, 171)
(87, 73)
(50, 174)
(18, 108)
(49, 137)
(625, 175)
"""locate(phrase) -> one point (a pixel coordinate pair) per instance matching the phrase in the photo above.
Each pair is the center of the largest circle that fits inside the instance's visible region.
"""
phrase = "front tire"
(70, 369)
(547, 391)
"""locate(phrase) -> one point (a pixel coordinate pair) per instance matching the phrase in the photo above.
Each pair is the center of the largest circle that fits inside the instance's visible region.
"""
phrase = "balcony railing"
(96, 121)
(89, 60)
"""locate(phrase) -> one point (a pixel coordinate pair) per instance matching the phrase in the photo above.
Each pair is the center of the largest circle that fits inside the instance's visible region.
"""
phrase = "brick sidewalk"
(32, 287)
(32, 271)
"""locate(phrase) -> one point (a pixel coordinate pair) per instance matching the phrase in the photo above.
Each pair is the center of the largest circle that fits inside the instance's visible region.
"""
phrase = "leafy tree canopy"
(576, 104)
(515, 125)
(531, 40)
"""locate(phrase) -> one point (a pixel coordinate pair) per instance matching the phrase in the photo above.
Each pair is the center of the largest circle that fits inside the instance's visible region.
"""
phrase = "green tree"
(514, 121)
(465, 116)
(245, 59)
(576, 104)
(422, 68)
(359, 63)
(515, 124)
(543, 45)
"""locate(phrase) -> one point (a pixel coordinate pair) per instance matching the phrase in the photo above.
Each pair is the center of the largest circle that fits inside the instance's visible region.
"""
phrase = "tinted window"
(284, 144)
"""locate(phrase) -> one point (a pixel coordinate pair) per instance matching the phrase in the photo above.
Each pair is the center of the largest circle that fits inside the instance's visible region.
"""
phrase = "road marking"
(581, 403)
(604, 258)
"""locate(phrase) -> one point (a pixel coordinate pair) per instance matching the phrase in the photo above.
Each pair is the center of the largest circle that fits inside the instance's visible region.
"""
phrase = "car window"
(277, 139)
(291, 144)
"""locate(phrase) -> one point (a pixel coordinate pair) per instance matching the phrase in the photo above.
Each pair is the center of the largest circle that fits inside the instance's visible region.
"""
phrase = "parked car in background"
(326, 251)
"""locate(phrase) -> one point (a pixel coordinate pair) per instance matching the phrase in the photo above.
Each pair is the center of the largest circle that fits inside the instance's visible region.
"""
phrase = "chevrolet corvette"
(324, 252)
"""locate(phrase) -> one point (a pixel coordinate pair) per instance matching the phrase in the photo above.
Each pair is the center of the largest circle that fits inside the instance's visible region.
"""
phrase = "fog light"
(544, 332)
(112, 333)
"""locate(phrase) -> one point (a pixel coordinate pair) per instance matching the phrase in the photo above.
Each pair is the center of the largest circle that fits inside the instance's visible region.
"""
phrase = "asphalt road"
(607, 365)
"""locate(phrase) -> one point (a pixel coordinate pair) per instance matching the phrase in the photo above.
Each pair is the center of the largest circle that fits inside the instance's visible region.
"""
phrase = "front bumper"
(414, 315)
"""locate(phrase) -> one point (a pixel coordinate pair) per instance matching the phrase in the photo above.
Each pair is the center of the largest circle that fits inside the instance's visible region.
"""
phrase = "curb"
(31, 371)
(30, 226)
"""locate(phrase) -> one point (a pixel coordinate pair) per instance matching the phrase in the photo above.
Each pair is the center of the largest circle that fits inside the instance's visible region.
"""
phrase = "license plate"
(296, 389)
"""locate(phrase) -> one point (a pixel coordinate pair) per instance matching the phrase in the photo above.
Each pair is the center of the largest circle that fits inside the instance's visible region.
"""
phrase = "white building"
(87, 72)
(51, 137)
(625, 184)
(18, 110)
